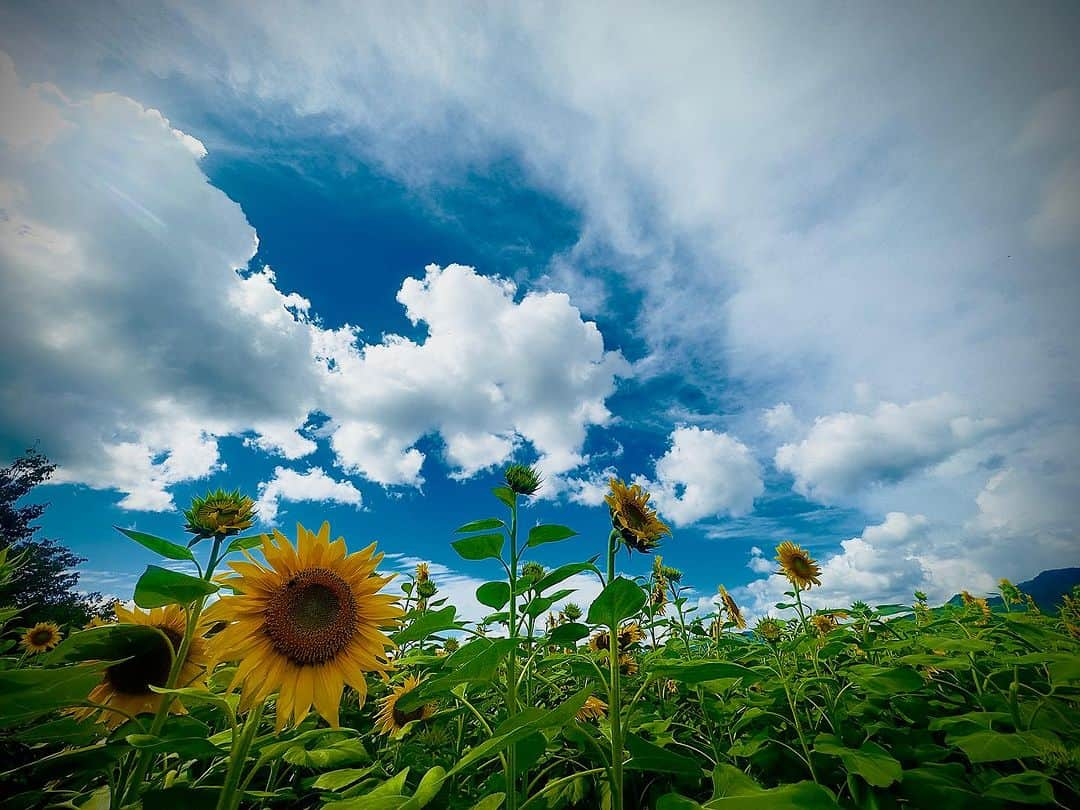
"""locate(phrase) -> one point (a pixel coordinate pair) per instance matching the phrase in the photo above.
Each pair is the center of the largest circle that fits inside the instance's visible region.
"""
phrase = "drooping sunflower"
(390, 718)
(628, 665)
(593, 709)
(42, 637)
(798, 566)
(824, 623)
(305, 624)
(631, 515)
(126, 686)
(629, 634)
(733, 613)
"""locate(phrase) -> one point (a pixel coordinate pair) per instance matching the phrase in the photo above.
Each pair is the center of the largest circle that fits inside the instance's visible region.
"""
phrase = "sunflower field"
(290, 672)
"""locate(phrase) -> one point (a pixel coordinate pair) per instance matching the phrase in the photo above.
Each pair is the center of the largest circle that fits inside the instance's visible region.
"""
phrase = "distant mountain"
(1046, 589)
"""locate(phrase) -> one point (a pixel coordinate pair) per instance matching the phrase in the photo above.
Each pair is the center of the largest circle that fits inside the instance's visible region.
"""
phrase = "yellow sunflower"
(390, 719)
(96, 621)
(593, 709)
(305, 624)
(636, 522)
(824, 623)
(629, 634)
(126, 686)
(798, 566)
(628, 665)
(423, 572)
(42, 637)
(734, 614)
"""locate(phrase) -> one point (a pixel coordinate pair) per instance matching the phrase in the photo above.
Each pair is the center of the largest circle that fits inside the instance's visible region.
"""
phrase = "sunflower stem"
(230, 796)
(511, 661)
(614, 689)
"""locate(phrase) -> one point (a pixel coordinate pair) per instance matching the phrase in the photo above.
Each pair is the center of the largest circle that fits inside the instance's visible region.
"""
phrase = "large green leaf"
(564, 572)
(1029, 787)
(543, 603)
(506, 495)
(567, 634)
(731, 781)
(433, 621)
(797, 796)
(493, 594)
(158, 587)
(870, 761)
(111, 642)
(621, 599)
(159, 545)
(182, 735)
(328, 755)
(550, 533)
(341, 778)
(886, 681)
(244, 543)
(479, 547)
(29, 693)
(997, 746)
(647, 756)
(937, 785)
(480, 526)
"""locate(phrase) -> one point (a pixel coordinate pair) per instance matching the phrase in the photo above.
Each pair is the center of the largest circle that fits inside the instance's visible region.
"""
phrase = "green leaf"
(506, 495)
(647, 756)
(870, 761)
(886, 681)
(479, 547)
(331, 755)
(1029, 787)
(200, 696)
(1065, 669)
(341, 778)
(705, 671)
(731, 781)
(244, 543)
(621, 599)
(480, 526)
(540, 604)
(111, 642)
(166, 548)
(567, 634)
(493, 594)
(564, 572)
(892, 610)
(32, 692)
(434, 621)
(997, 746)
(182, 735)
(937, 785)
(158, 587)
(491, 802)
(550, 533)
(798, 796)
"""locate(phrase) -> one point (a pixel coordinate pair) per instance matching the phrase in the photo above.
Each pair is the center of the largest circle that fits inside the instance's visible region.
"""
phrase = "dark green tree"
(45, 586)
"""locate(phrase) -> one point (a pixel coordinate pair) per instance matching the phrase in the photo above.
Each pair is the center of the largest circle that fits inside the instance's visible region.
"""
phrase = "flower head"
(824, 623)
(631, 515)
(733, 613)
(42, 637)
(390, 718)
(128, 685)
(798, 566)
(305, 624)
(423, 573)
(593, 709)
(770, 629)
(220, 513)
(523, 479)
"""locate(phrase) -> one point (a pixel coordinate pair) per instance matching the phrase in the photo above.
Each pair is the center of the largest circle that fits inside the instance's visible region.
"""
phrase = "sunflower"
(824, 623)
(770, 629)
(798, 566)
(734, 614)
(391, 719)
(629, 634)
(305, 624)
(628, 665)
(220, 513)
(423, 573)
(633, 518)
(593, 709)
(523, 479)
(126, 686)
(42, 637)
(96, 621)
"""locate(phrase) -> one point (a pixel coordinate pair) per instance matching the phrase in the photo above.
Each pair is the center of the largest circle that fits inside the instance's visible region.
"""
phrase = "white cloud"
(166, 344)
(313, 486)
(704, 474)
(589, 490)
(845, 452)
(780, 420)
(758, 564)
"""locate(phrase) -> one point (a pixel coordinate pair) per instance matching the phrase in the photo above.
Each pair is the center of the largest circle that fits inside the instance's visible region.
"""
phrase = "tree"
(45, 585)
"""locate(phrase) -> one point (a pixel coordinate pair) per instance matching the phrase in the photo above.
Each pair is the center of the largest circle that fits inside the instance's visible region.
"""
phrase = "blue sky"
(806, 276)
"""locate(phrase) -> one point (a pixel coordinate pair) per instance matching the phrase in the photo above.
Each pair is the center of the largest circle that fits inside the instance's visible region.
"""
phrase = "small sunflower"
(629, 634)
(798, 566)
(593, 709)
(42, 637)
(126, 686)
(523, 479)
(220, 513)
(628, 665)
(734, 614)
(305, 624)
(658, 599)
(391, 719)
(631, 515)
(423, 573)
(824, 623)
(770, 629)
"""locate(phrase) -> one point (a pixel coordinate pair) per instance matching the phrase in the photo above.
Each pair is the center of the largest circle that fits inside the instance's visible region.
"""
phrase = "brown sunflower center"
(41, 637)
(149, 668)
(312, 617)
(801, 566)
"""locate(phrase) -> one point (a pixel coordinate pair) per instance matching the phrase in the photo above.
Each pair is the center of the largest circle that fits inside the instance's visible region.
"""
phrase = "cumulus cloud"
(313, 486)
(704, 474)
(845, 452)
(135, 337)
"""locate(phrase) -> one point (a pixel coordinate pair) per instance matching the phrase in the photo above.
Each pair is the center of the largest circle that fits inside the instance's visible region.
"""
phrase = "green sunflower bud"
(220, 513)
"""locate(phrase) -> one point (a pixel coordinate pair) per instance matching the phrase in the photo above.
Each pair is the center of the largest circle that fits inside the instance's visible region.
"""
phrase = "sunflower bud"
(571, 611)
(523, 479)
(220, 513)
(532, 572)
